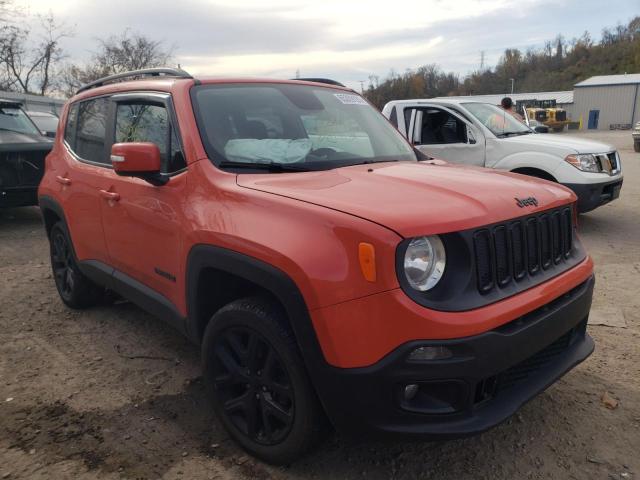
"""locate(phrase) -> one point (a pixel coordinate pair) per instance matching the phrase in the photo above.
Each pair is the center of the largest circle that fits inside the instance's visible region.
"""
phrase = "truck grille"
(608, 162)
(511, 251)
(561, 116)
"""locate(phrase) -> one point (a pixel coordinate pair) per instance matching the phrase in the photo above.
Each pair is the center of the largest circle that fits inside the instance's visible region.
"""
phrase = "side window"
(91, 130)
(70, 127)
(440, 127)
(144, 122)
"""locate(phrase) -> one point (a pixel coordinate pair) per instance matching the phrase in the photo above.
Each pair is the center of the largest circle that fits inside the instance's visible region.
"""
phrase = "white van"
(482, 134)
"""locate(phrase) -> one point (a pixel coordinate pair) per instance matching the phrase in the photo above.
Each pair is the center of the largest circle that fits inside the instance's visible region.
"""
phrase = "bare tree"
(26, 65)
(115, 54)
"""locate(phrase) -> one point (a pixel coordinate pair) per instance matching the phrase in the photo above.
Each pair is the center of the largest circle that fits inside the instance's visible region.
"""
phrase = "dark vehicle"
(46, 122)
(22, 152)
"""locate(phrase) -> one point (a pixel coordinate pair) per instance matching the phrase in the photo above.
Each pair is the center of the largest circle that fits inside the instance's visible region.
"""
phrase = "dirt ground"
(112, 393)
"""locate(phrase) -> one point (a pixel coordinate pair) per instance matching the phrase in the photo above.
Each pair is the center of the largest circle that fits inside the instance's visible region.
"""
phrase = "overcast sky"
(341, 39)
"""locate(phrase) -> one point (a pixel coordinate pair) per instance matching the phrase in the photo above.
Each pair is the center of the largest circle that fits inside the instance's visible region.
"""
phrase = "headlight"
(424, 262)
(584, 162)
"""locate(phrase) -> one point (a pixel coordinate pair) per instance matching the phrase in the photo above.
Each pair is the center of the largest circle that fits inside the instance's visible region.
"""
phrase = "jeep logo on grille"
(526, 202)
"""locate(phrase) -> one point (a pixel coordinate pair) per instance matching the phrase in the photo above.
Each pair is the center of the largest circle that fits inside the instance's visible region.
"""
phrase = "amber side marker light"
(367, 256)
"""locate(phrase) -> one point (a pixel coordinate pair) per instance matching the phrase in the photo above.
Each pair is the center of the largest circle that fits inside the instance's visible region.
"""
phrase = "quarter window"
(70, 127)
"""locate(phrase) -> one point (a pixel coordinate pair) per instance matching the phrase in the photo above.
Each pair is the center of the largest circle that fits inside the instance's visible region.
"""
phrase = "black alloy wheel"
(75, 289)
(62, 263)
(253, 385)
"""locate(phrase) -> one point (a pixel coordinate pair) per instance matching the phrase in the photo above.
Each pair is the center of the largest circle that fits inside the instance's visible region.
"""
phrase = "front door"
(142, 223)
(440, 133)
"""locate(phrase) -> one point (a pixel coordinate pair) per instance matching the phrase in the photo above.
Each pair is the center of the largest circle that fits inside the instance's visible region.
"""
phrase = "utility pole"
(482, 57)
(361, 86)
(513, 81)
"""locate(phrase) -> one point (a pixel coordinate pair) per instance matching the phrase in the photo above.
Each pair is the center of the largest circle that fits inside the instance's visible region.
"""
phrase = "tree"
(25, 65)
(116, 54)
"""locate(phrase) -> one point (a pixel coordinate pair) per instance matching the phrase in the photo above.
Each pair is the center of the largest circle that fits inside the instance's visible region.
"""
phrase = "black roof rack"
(321, 80)
(147, 72)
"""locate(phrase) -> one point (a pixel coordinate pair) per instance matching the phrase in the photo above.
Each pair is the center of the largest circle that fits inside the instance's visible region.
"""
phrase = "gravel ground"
(112, 393)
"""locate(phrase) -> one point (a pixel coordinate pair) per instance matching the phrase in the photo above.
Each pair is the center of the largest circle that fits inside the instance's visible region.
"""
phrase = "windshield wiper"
(367, 162)
(270, 166)
(509, 134)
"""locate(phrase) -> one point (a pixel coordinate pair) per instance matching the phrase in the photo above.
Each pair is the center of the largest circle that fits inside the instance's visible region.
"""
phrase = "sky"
(345, 40)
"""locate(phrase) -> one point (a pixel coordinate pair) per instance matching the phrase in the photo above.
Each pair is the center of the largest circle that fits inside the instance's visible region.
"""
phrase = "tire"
(636, 146)
(75, 289)
(257, 381)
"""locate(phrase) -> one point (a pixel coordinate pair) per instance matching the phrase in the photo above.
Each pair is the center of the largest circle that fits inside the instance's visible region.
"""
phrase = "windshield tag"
(349, 99)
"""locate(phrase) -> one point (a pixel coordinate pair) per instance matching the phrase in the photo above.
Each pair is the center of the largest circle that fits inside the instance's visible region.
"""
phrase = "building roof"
(559, 97)
(601, 80)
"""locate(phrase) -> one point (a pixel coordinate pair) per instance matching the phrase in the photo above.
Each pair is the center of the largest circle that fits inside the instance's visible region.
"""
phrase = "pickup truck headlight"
(424, 262)
(585, 162)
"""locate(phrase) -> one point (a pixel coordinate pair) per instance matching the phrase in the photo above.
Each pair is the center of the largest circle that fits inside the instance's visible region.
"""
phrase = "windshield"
(14, 119)
(293, 127)
(500, 122)
(46, 123)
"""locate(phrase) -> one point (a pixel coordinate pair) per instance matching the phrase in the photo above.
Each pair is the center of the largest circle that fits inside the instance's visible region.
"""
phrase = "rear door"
(83, 171)
(142, 222)
(441, 133)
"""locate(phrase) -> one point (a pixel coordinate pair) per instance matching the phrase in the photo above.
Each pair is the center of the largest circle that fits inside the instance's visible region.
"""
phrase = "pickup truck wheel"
(257, 381)
(636, 146)
(75, 290)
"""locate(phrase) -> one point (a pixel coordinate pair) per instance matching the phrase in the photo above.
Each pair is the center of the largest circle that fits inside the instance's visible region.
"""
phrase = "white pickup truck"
(482, 134)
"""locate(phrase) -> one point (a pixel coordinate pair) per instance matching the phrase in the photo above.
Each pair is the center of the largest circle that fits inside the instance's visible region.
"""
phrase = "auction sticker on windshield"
(348, 99)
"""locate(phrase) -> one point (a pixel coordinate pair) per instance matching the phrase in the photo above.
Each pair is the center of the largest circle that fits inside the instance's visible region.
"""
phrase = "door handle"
(63, 180)
(112, 196)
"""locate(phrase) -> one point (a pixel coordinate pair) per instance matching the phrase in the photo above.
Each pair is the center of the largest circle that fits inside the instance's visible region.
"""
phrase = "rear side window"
(144, 122)
(91, 130)
(70, 127)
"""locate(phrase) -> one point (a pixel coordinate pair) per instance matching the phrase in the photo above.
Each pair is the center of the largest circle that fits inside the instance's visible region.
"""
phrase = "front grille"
(511, 377)
(510, 252)
(561, 116)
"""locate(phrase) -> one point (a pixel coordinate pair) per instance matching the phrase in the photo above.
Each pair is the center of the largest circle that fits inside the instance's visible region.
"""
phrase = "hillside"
(558, 65)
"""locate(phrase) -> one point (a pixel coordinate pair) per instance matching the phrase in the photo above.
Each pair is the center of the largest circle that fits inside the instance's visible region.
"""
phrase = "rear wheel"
(75, 289)
(258, 383)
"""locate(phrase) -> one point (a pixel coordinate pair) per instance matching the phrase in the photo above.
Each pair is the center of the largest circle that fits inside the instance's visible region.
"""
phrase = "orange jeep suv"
(326, 269)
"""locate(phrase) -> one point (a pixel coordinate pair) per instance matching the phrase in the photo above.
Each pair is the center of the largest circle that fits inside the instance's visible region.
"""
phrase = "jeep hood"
(415, 199)
(569, 144)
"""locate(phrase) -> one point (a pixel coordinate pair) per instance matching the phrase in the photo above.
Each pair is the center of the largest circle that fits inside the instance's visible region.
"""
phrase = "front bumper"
(489, 378)
(593, 195)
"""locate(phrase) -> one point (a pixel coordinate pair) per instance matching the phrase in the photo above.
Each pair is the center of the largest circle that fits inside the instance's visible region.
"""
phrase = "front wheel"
(257, 381)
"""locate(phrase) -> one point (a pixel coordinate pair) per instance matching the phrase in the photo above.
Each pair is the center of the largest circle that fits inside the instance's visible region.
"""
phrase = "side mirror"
(138, 159)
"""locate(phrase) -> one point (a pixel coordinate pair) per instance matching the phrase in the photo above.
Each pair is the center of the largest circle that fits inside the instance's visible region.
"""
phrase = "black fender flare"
(45, 203)
(276, 282)
(258, 272)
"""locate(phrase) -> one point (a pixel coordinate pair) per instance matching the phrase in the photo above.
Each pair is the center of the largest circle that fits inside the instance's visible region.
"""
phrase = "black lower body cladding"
(593, 195)
(489, 377)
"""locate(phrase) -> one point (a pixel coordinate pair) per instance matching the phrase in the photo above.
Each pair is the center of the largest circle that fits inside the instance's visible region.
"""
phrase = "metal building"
(607, 101)
(35, 102)
(563, 99)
